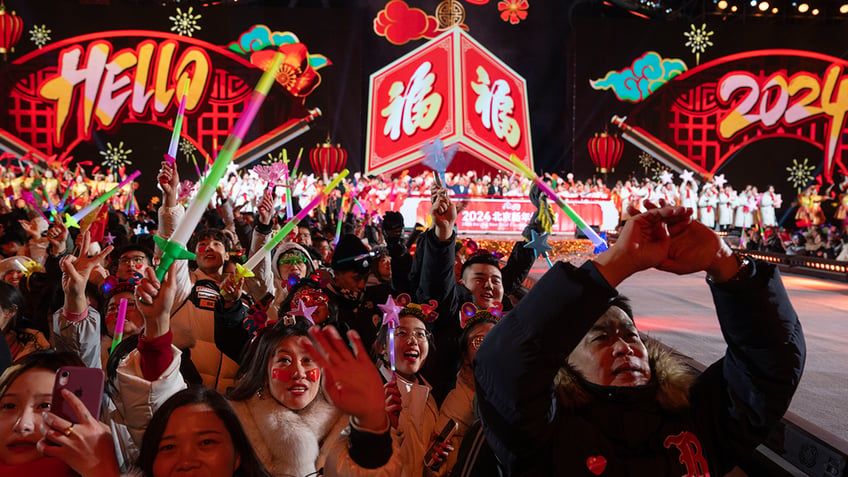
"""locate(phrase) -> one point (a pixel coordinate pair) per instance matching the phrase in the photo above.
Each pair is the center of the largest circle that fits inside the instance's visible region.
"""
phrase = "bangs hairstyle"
(48, 360)
(11, 299)
(623, 303)
(483, 257)
(214, 234)
(253, 372)
(249, 465)
(382, 340)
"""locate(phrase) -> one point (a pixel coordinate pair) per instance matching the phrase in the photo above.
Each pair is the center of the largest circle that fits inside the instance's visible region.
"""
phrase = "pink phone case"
(85, 383)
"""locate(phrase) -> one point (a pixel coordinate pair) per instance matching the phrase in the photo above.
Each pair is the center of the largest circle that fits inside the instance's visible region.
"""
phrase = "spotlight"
(803, 8)
(815, 11)
(843, 9)
(723, 4)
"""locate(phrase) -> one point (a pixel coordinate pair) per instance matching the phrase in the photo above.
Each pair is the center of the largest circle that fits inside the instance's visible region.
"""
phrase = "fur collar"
(287, 442)
(671, 374)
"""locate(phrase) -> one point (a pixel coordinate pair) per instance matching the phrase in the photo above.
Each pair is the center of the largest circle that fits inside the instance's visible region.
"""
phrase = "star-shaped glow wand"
(438, 158)
(390, 317)
(539, 244)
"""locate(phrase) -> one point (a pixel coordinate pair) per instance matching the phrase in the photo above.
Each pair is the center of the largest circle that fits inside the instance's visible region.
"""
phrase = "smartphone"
(85, 383)
(445, 434)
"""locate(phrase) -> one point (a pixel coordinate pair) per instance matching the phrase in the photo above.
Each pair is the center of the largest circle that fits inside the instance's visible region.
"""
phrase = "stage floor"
(678, 311)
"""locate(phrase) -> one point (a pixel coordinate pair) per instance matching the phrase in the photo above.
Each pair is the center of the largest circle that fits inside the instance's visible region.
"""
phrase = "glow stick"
(61, 207)
(600, 244)
(339, 222)
(73, 220)
(174, 248)
(178, 126)
(289, 211)
(392, 346)
(296, 163)
(119, 324)
(292, 223)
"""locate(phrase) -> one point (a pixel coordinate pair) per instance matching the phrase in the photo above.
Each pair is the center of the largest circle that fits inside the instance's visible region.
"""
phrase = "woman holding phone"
(35, 441)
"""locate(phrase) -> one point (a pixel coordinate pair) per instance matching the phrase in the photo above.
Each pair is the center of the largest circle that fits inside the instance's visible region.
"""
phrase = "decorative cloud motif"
(400, 24)
(643, 77)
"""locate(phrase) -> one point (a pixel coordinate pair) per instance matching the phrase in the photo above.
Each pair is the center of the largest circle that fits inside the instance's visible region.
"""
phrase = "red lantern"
(11, 28)
(605, 150)
(327, 158)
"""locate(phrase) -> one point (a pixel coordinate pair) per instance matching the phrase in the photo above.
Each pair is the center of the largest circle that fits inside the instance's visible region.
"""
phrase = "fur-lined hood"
(672, 375)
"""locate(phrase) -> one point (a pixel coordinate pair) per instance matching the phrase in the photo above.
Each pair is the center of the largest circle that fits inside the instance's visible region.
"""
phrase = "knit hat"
(13, 263)
(351, 254)
(287, 248)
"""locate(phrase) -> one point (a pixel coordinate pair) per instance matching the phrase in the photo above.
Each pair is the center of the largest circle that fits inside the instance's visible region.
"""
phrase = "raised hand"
(57, 235)
(350, 379)
(87, 447)
(266, 208)
(643, 243)
(231, 290)
(169, 181)
(443, 211)
(154, 301)
(76, 272)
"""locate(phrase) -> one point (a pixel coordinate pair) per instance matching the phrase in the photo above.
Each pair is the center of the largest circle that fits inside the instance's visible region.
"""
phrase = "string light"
(763, 6)
(803, 8)
(722, 4)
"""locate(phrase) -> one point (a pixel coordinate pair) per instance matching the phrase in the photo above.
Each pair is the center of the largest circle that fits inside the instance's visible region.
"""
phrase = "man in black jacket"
(567, 386)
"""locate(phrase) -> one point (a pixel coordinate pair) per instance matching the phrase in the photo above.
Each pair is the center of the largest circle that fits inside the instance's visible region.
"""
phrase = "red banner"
(501, 216)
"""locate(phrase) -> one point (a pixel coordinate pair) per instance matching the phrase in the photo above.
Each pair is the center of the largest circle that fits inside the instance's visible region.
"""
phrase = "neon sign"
(144, 79)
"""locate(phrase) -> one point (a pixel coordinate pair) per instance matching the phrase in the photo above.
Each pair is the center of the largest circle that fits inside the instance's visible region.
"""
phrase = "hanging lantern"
(605, 150)
(11, 28)
(327, 158)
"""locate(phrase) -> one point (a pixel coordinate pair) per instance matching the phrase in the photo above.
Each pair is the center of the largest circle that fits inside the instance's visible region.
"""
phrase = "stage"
(678, 311)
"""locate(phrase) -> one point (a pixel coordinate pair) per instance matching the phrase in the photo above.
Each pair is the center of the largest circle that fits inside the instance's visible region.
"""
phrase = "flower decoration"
(186, 190)
(273, 174)
(513, 11)
(299, 73)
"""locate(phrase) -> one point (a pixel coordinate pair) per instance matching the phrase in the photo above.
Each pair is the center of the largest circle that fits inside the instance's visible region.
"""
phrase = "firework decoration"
(698, 39)
(185, 23)
(800, 173)
(115, 157)
(40, 35)
(187, 189)
(274, 174)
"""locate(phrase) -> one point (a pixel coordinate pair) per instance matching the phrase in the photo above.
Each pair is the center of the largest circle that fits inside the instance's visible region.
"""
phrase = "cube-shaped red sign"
(453, 89)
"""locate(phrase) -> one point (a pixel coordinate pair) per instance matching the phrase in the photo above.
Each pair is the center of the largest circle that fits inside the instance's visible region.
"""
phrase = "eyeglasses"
(420, 335)
(137, 260)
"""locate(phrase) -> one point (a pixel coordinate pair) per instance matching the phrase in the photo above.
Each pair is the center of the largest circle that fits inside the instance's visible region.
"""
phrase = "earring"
(259, 393)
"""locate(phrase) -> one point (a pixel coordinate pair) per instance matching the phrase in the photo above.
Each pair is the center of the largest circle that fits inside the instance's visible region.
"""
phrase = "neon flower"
(513, 11)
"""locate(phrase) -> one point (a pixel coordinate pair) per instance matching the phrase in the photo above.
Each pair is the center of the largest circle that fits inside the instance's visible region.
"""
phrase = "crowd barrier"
(804, 265)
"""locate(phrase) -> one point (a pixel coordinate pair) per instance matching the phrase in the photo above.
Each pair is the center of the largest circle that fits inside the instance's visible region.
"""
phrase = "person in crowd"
(798, 246)
(459, 403)
(566, 384)
(193, 322)
(303, 406)
(706, 206)
(768, 202)
(411, 407)
(20, 336)
(483, 283)
(197, 430)
(291, 263)
(26, 388)
(130, 261)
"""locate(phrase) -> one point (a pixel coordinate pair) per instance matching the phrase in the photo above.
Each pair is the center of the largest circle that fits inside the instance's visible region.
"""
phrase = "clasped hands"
(666, 238)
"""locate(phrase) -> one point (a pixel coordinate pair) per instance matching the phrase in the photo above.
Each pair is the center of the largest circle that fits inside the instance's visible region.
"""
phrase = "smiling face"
(20, 416)
(130, 263)
(411, 347)
(195, 442)
(612, 353)
(211, 255)
(293, 378)
(484, 282)
(13, 277)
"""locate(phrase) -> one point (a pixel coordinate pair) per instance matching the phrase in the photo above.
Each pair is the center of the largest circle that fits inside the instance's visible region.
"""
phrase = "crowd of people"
(370, 351)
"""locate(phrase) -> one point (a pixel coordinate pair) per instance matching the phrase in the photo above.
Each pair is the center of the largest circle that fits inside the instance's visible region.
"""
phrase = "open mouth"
(411, 355)
(298, 389)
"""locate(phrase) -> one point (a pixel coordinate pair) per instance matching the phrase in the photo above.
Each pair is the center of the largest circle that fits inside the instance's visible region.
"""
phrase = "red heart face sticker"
(597, 464)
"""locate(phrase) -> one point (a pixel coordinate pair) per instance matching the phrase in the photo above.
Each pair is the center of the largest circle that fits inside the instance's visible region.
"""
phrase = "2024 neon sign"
(787, 100)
